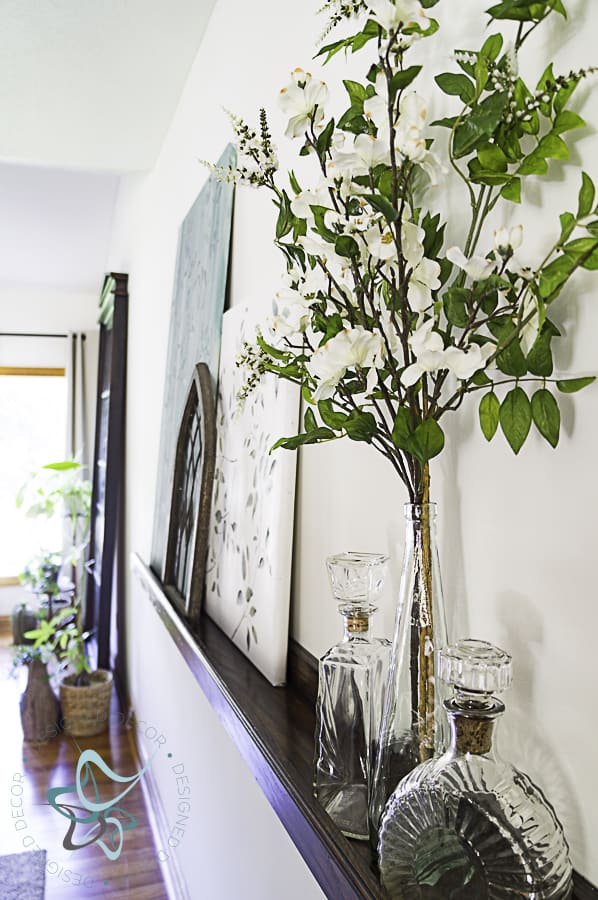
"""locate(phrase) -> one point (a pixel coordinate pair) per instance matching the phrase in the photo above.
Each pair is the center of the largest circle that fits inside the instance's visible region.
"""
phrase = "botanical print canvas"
(251, 533)
(195, 324)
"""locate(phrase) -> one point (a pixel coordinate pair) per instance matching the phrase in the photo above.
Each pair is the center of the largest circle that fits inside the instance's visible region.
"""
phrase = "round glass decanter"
(468, 825)
(352, 678)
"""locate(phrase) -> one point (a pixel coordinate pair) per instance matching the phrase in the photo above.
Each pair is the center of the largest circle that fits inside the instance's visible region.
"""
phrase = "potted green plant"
(84, 694)
(58, 489)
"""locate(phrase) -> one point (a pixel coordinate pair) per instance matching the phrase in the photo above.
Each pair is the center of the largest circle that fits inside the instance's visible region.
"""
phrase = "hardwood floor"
(27, 771)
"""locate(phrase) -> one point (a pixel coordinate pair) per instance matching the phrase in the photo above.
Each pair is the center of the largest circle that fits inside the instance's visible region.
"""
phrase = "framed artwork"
(187, 544)
(248, 576)
(195, 324)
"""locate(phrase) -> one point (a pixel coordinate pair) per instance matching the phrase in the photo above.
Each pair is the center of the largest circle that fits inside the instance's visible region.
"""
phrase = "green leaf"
(489, 413)
(552, 147)
(568, 223)
(533, 164)
(511, 360)
(295, 186)
(382, 205)
(347, 246)
(554, 276)
(516, 418)
(564, 95)
(319, 213)
(309, 421)
(512, 190)
(539, 359)
(572, 385)
(360, 426)
(480, 125)
(525, 10)
(356, 91)
(325, 139)
(402, 79)
(330, 416)
(567, 120)
(401, 431)
(492, 46)
(583, 251)
(456, 306)
(313, 437)
(434, 235)
(64, 466)
(447, 122)
(480, 379)
(285, 219)
(546, 416)
(492, 157)
(354, 42)
(587, 195)
(456, 85)
(427, 441)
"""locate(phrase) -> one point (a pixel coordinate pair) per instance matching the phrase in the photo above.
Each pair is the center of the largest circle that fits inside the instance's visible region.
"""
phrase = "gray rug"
(23, 875)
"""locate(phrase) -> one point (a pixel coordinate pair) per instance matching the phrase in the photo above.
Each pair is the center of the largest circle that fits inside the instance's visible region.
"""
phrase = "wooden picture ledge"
(273, 728)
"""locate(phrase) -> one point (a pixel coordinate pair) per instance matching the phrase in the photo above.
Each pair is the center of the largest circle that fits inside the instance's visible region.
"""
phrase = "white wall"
(516, 534)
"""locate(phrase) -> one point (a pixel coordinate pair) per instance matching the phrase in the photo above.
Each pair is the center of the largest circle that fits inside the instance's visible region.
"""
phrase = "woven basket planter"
(86, 710)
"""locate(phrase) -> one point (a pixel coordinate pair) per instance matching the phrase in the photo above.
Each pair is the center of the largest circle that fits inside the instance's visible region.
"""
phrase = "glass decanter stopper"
(352, 678)
(468, 825)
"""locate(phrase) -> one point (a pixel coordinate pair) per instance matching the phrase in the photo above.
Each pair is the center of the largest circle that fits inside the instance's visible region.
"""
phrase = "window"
(33, 408)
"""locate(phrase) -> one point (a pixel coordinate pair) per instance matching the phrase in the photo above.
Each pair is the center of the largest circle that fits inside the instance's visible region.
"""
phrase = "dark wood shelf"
(273, 728)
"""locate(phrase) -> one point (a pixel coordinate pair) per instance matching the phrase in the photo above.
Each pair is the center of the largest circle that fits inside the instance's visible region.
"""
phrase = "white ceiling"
(88, 89)
(93, 84)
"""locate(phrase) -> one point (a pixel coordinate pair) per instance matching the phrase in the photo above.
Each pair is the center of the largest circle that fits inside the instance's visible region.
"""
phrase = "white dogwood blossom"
(303, 100)
(393, 14)
(477, 267)
(508, 239)
(424, 279)
(351, 347)
(291, 313)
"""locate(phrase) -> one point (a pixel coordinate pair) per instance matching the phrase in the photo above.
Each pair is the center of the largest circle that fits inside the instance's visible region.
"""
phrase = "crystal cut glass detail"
(468, 825)
(352, 678)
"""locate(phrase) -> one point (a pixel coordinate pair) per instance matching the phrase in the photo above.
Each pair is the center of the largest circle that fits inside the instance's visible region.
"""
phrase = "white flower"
(506, 239)
(412, 243)
(375, 108)
(370, 151)
(428, 350)
(424, 279)
(291, 313)
(301, 204)
(381, 243)
(302, 99)
(390, 15)
(410, 141)
(464, 363)
(350, 347)
(477, 267)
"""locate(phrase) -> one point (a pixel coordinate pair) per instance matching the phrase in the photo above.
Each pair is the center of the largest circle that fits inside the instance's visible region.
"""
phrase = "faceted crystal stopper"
(477, 666)
(356, 579)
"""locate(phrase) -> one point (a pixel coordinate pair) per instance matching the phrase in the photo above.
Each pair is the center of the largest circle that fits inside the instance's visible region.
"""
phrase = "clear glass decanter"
(467, 825)
(352, 678)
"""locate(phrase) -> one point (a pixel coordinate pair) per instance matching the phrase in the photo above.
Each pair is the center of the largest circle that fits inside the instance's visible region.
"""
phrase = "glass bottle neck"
(357, 626)
(472, 729)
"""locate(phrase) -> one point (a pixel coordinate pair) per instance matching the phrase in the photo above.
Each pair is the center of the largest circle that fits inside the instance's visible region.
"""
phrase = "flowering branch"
(386, 325)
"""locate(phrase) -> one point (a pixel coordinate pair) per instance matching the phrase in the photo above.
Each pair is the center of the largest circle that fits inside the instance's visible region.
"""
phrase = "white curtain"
(76, 426)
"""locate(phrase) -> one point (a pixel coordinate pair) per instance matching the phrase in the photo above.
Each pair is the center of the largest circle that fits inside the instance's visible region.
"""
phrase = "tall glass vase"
(413, 725)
